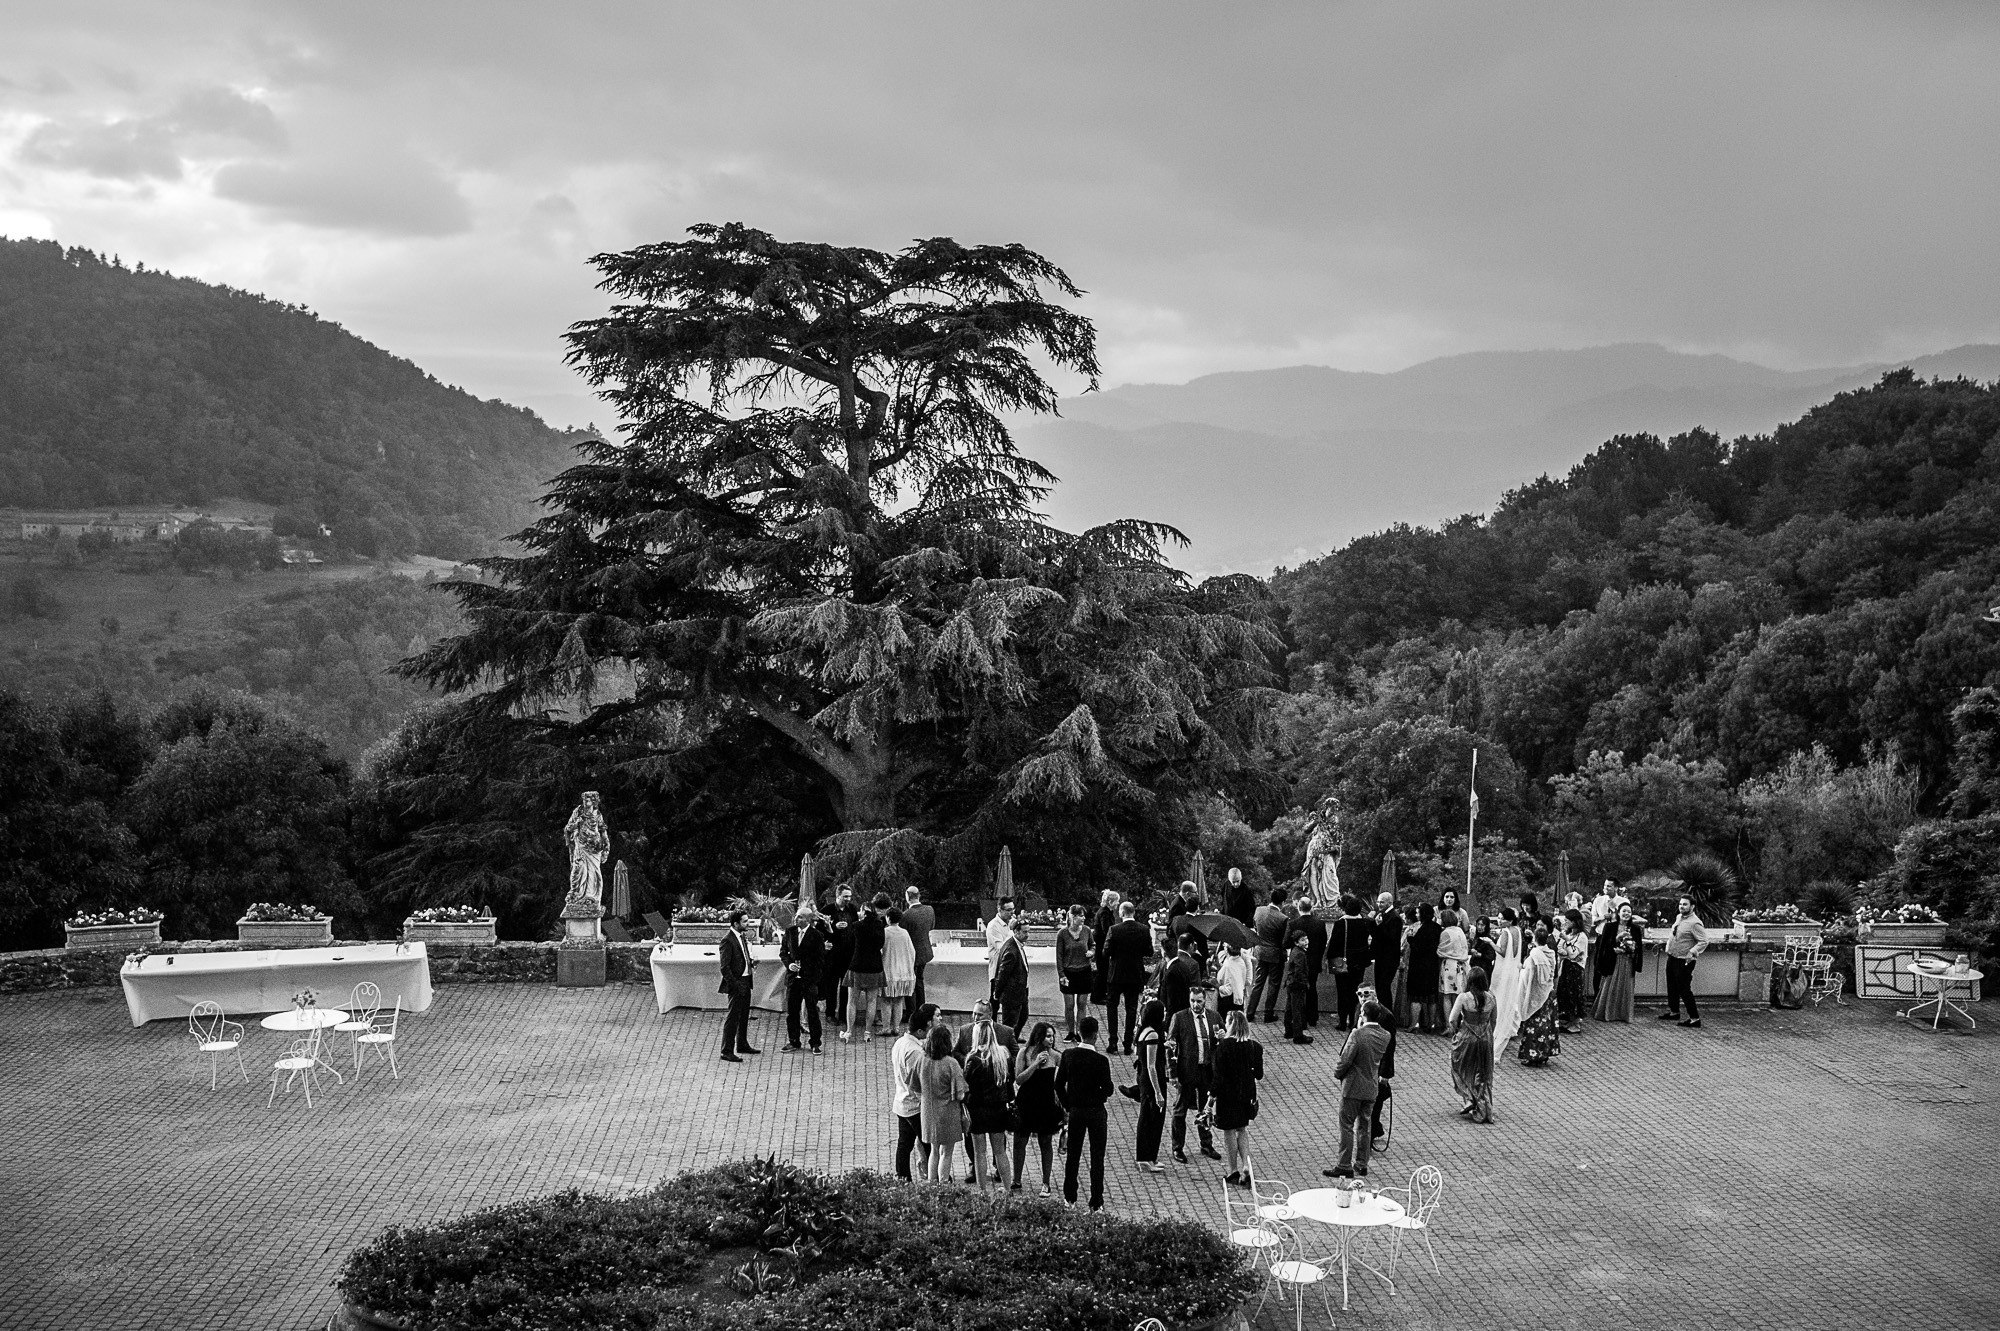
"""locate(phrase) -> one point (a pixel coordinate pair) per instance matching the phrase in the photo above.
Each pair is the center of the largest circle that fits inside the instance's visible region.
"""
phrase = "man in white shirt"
(1684, 948)
(1606, 903)
(998, 930)
(907, 1102)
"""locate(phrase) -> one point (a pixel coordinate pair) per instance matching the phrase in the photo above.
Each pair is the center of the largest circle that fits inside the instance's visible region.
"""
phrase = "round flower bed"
(767, 1246)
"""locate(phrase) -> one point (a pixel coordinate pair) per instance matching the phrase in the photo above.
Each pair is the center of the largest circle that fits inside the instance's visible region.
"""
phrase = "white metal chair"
(362, 1008)
(1273, 1198)
(1293, 1275)
(1246, 1230)
(301, 1057)
(215, 1035)
(383, 1039)
(1420, 1205)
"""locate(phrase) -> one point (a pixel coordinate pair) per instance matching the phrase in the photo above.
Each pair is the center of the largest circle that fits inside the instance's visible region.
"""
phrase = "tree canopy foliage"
(817, 528)
(136, 389)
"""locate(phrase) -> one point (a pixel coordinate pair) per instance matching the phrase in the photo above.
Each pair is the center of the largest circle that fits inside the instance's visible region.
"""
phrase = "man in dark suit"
(918, 921)
(1083, 1087)
(1273, 926)
(840, 918)
(1126, 952)
(1352, 939)
(737, 967)
(803, 955)
(1388, 936)
(1239, 903)
(1191, 1057)
(1384, 1070)
(1312, 928)
(1359, 1071)
(1178, 980)
(1180, 905)
(1010, 979)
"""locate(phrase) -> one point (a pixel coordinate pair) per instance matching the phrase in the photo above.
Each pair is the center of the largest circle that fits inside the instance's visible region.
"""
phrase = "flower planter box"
(284, 933)
(1777, 931)
(700, 932)
(449, 931)
(107, 936)
(1880, 934)
(1042, 935)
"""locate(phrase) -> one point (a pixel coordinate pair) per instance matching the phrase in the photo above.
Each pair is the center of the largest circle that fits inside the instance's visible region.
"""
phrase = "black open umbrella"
(1220, 929)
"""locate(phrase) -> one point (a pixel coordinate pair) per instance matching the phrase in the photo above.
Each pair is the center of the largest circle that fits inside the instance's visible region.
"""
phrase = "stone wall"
(451, 963)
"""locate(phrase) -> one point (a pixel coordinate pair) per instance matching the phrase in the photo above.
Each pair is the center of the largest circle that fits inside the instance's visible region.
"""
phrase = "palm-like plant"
(1827, 899)
(1711, 884)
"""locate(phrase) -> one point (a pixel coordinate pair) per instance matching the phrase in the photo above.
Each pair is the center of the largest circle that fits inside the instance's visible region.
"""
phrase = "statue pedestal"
(580, 960)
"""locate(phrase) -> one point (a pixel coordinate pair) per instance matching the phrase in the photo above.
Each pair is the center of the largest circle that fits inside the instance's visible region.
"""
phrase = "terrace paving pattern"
(1826, 1168)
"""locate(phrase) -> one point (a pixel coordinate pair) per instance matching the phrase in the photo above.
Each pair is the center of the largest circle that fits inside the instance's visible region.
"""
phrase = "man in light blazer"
(1359, 1071)
(737, 966)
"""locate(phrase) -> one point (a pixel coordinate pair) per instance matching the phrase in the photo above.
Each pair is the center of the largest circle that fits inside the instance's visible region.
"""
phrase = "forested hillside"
(1753, 648)
(122, 387)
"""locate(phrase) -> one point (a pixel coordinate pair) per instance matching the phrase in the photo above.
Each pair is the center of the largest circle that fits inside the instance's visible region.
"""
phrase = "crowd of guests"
(1519, 976)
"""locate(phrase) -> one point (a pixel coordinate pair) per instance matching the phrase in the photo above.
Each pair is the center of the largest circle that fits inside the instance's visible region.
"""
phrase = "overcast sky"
(1236, 185)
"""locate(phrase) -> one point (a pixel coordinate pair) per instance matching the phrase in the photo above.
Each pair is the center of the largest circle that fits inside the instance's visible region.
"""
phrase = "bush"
(766, 1245)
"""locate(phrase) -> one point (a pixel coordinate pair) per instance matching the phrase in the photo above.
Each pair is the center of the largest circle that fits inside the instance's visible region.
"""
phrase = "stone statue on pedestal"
(1323, 850)
(589, 842)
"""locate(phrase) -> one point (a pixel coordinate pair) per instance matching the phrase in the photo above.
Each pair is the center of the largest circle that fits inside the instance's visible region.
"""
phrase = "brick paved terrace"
(1830, 1168)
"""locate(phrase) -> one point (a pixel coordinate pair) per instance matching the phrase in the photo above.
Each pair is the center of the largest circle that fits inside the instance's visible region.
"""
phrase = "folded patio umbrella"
(1389, 873)
(1003, 880)
(806, 876)
(1196, 876)
(1220, 929)
(1562, 879)
(621, 892)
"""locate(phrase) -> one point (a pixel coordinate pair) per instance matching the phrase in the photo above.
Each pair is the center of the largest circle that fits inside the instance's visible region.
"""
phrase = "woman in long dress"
(899, 971)
(1239, 1066)
(1149, 1065)
(1426, 968)
(1399, 991)
(940, 1106)
(1454, 951)
(1509, 978)
(1620, 957)
(1573, 960)
(1471, 1027)
(1539, 1042)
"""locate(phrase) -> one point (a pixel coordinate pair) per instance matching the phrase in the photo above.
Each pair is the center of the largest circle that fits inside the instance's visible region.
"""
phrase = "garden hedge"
(763, 1245)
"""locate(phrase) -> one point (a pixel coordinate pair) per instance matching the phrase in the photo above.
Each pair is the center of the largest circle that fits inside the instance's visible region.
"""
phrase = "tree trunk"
(866, 802)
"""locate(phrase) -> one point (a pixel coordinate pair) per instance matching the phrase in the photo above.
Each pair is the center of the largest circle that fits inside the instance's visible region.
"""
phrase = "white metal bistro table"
(308, 1019)
(1323, 1205)
(1944, 979)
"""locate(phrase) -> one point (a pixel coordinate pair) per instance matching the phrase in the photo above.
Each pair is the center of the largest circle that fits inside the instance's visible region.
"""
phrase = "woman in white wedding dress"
(1509, 978)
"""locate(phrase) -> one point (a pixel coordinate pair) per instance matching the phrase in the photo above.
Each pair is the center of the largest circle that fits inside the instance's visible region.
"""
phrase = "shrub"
(1710, 884)
(1827, 899)
(763, 1245)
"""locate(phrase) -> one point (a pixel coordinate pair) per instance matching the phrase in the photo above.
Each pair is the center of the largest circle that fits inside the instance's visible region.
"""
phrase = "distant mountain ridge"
(124, 388)
(1271, 467)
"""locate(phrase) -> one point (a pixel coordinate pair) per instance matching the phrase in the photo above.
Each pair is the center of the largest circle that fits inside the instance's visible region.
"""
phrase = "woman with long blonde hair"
(989, 1095)
(1239, 1066)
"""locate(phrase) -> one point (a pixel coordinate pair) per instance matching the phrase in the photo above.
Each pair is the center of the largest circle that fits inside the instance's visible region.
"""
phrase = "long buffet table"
(162, 987)
(687, 974)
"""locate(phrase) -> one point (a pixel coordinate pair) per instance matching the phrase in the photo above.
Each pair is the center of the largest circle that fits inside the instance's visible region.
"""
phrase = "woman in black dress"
(1037, 1113)
(1424, 970)
(1149, 1064)
(1239, 1066)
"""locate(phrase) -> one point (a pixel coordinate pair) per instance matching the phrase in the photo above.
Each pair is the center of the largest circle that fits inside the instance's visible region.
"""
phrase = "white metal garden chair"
(1292, 1274)
(1420, 1205)
(1242, 1226)
(1274, 1199)
(215, 1035)
(362, 1008)
(300, 1058)
(382, 1039)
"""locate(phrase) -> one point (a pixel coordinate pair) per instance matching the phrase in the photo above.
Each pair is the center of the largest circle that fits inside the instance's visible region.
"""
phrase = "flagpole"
(1471, 818)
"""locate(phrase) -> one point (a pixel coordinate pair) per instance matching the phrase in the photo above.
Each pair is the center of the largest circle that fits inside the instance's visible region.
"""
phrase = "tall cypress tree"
(816, 521)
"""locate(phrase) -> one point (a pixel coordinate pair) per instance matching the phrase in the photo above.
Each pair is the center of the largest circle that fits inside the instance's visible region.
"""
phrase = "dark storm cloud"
(1236, 185)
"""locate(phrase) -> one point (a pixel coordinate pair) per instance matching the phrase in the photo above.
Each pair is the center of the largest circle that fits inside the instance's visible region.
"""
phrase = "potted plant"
(274, 924)
(1774, 924)
(136, 927)
(449, 924)
(1043, 925)
(700, 924)
(1907, 925)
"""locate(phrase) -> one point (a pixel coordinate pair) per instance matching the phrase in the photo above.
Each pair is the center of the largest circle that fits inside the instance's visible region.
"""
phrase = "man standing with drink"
(1684, 948)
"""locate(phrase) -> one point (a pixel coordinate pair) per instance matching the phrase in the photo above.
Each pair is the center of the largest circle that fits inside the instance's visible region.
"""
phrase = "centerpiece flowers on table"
(272, 912)
(97, 919)
(305, 998)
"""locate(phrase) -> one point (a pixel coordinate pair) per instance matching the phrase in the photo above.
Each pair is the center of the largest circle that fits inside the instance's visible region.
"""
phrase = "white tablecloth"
(264, 981)
(686, 975)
